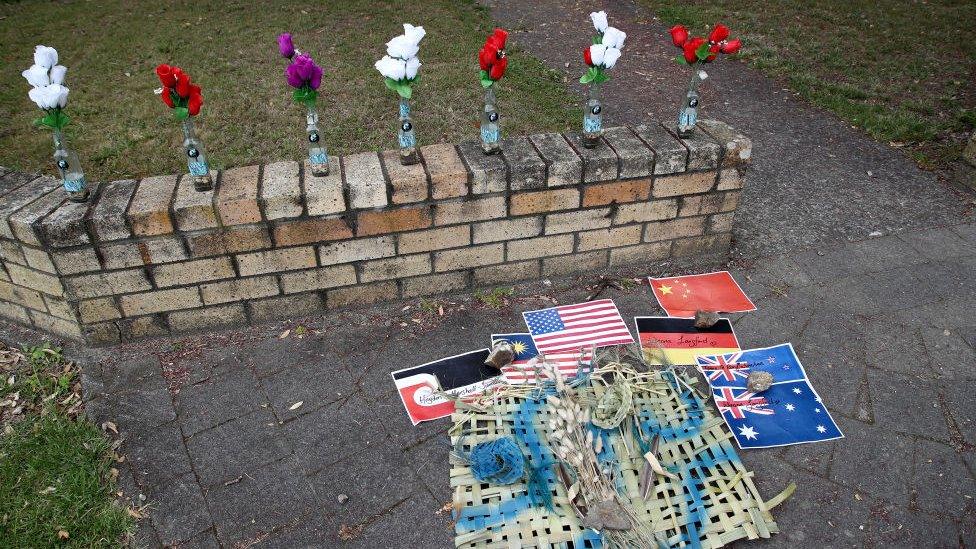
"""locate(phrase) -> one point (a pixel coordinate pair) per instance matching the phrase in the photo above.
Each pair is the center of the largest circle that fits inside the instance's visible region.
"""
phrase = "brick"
(609, 238)
(307, 231)
(729, 179)
(142, 327)
(409, 183)
(98, 310)
(237, 196)
(654, 210)
(434, 284)
(720, 223)
(687, 183)
(21, 295)
(55, 325)
(563, 165)
(356, 250)
(160, 300)
(544, 201)
(15, 313)
(164, 249)
(716, 244)
(507, 229)
(434, 239)
(39, 259)
(274, 261)
(365, 181)
(466, 258)
(230, 240)
(12, 180)
(636, 159)
(59, 308)
(509, 272)
(395, 267)
(576, 263)
(76, 261)
(317, 279)
(532, 248)
(489, 174)
(674, 228)
(25, 223)
(323, 195)
(148, 213)
(12, 251)
(102, 333)
(670, 155)
(281, 190)
(66, 225)
(709, 203)
(3, 273)
(527, 170)
(736, 148)
(581, 220)
(704, 152)
(362, 294)
(392, 221)
(620, 192)
(207, 318)
(448, 176)
(108, 220)
(194, 210)
(35, 280)
(22, 196)
(467, 211)
(640, 253)
(285, 307)
(192, 272)
(102, 284)
(599, 163)
(239, 289)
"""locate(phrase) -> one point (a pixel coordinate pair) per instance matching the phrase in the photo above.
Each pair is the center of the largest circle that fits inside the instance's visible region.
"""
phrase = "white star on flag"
(816, 410)
(797, 390)
(821, 429)
(748, 432)
(790, 407)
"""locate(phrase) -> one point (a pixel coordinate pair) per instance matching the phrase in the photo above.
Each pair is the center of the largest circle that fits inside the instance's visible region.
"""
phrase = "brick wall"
(153, 257)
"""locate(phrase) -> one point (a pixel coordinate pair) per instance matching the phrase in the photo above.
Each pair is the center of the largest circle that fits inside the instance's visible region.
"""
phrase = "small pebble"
(343, 498)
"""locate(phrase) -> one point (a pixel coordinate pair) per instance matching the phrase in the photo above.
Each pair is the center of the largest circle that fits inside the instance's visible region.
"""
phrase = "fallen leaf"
(109, 426)
(48, 490)
(62, 535)
(134, 513)
(284, 334)
(296, 405)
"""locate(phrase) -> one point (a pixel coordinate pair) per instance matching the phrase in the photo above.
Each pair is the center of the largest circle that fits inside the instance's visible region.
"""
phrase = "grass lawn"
(121, 129)
(55, 466)
(903, 71)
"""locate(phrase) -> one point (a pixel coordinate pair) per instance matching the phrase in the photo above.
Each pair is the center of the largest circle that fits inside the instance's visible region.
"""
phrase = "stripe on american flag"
(597, 323)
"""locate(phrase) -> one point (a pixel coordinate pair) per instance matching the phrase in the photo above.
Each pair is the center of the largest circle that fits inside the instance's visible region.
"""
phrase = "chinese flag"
(681, 296)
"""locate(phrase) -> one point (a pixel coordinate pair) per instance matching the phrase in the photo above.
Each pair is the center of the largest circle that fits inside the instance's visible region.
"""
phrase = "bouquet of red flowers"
(699, 50)
(179, 93)
(492, 58)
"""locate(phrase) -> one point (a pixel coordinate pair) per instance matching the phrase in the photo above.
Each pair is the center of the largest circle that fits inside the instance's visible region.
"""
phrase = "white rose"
(413, 65)
(62, 95)
(610, 58)
(402, 47)
(48, 97)
(37, 76)
(599, 20)
(614, 38)
(414, 34)
(57, 74)
(597, 53)
(45, 56)
(391, 68)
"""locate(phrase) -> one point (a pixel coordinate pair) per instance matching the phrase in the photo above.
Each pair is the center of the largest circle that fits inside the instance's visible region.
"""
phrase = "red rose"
(165, 74)
(691, 48)
(183, 84)
(498, 69)
(719, 33)
(732, 46)
(193, 104)
(487, 56)
(679, 35)
(587, 58)
(499, 37)
(166, 97)
(492, 58)
(713, 49)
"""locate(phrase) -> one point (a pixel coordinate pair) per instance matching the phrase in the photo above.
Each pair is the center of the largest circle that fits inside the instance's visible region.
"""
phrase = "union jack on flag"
(724, 367)
(738, 404)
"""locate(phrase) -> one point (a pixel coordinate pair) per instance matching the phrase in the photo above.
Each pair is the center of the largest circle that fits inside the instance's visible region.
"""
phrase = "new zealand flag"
(731, 370)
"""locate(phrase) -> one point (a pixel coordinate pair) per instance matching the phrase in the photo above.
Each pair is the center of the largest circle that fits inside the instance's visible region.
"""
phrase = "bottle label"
(687, 118)
(198, 168)
(74, 185)
(592, 124)
(318, 158)
(489, 134)
(407, 139)
(404, 110)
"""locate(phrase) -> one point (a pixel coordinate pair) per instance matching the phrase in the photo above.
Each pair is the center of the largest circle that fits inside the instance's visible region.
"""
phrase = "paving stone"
(599, 163)
(889, 477)
(216, 400)
(951, 357)
(877, 293)
(778, 272)
(526, 169)
(563, 165)
(635, 157)
(324, 435)
(958, 398)
(137, 375)
(313, 384)
(670, 155)
(942, 483)
(897, 396)
(140, 409)
(157, 456)
(178, 510)
(231, 449)
(938, 243)
(894, 347)
(108, 220)
(831, 349)
(398, 527)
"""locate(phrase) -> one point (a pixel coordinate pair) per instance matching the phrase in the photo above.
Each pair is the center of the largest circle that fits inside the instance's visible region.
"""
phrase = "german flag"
(678, 341)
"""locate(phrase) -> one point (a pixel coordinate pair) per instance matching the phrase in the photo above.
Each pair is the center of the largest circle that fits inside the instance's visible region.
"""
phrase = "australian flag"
(732, 370)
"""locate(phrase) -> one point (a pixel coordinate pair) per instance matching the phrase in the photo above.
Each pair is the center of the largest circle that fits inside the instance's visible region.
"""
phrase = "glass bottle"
(490, 133)
(408, 141)
(688, 115)
(196, 158)
(592, 117)
(69, 166)
(318, 156)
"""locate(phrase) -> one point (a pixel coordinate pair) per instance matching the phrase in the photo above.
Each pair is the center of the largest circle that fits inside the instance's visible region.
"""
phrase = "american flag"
(569, 328)
(520, 371)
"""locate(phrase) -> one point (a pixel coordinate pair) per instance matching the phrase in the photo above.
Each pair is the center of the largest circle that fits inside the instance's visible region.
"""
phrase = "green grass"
(55, 466)
(902, 71)
(121, 129)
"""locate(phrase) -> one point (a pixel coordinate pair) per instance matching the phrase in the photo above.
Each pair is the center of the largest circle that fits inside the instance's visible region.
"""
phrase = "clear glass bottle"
(688, 115)
(196, 158)
(318, 156)
(592, 117)
(69, 166)
(408, 141)
(490, 132)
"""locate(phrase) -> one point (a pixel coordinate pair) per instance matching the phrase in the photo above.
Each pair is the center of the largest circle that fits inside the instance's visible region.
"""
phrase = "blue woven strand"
(499, 461)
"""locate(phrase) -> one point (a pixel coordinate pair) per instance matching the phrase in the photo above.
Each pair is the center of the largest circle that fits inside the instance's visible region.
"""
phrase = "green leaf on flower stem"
(598, 39)
(391, 84)
(305, 95)
(601, 77)
(404, 90)
(181, 113)
(702, 52)
(681, 60)
(486, 81)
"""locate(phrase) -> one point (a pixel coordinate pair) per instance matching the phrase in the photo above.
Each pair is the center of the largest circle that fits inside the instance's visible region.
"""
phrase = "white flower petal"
(414, 34)
(599, 20)
(402, 47)
(412, 66)
(57, 74)
(610, 58)
(37, 75)
(45, 56)
(597, 52)
(614, 38)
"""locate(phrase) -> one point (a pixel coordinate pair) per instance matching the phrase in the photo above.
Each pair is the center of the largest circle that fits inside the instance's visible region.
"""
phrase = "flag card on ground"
(678, 341)
(569, 328)
(787, 413)
(458, 375)
(681, 296)
(519, 370)
(732, 369)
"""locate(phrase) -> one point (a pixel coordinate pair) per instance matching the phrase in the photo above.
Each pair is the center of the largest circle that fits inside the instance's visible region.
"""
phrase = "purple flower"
(303, 72)
(285, 45)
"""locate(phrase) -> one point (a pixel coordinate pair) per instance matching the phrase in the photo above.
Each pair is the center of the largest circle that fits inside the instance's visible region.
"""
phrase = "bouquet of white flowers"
(605, 50)
(399, 69)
